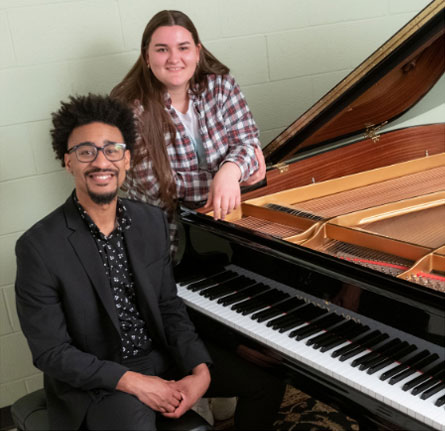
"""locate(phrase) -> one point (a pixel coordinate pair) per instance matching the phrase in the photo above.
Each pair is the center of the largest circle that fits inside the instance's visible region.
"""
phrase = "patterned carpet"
(300, 412)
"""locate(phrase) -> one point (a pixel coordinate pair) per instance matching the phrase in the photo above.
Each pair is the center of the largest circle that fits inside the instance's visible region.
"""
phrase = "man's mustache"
(103, 171)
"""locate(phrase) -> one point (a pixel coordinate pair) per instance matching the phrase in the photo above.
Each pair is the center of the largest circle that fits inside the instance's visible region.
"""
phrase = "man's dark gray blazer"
(67, 312)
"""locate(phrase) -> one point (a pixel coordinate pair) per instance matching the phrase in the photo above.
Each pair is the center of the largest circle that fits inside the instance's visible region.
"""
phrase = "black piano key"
(320, 339)
(286, 317)
(211, 281)
(389, 349)
(226, 287)
(259, 302)
(369, 357)
(411, 370)
(192, 278)
(264, 299)
(384, 362)
(355, 331)
(430, 392)
(404, 365)
(315, 324)
(278, 309)
(339, 331)
(432, 381)
(332, 333)
(440, 401)
(245, 293)
(357, 341)
(324, 323)
(199, 275)
(362, 347)
(385, 351)
(425, 376)
(238, 296)
(231, 282)
(310, 325)
(299, 317)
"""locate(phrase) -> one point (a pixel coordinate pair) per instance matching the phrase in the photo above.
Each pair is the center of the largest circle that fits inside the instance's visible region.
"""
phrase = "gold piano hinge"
(282, 167)
(372, 130)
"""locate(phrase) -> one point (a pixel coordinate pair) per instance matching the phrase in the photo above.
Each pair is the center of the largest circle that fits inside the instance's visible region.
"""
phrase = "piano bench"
(29, 413)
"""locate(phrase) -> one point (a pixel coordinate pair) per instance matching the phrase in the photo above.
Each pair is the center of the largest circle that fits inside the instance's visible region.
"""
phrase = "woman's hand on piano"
(225, 193)
(262, 359)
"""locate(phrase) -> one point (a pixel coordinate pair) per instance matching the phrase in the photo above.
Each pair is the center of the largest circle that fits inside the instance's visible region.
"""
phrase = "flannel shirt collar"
(168, 100)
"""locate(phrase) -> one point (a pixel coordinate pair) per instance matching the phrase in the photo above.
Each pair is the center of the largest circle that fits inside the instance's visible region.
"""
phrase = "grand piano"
(337, 263)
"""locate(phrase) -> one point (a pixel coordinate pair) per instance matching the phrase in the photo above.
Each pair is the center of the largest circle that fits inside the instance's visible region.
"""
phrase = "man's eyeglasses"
(87, 152)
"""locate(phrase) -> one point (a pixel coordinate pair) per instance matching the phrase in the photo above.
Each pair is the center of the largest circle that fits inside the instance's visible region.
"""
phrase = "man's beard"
(102, 199)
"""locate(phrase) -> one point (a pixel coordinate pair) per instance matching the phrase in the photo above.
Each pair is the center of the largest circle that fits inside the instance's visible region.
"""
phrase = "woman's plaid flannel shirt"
(228, 132)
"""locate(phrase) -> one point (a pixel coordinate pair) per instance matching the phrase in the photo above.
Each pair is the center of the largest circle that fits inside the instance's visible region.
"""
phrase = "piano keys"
(310, 341)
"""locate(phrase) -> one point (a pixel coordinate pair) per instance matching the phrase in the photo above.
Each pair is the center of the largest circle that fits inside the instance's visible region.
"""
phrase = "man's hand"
(159, 394)
(192, 387)
(224, 194)
(260, 173)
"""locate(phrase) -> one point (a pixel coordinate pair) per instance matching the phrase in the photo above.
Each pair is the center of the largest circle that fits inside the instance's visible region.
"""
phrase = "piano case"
(352, 221)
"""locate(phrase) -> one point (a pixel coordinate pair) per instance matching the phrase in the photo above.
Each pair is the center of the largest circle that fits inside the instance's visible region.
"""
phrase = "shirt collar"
(123, 219)
(168, 100)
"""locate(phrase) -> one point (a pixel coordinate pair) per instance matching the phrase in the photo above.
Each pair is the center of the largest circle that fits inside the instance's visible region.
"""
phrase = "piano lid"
(387, 84)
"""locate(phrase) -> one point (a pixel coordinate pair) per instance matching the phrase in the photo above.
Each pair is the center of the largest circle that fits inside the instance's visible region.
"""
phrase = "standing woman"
(197, 139)
(197, 144)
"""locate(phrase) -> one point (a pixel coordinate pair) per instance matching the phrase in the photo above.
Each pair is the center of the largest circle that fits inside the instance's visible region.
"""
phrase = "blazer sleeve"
(42, 318)
(182, 338)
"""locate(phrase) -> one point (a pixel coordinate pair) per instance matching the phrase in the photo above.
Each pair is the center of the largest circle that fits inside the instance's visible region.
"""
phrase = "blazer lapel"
(86, 250)
(136, 242)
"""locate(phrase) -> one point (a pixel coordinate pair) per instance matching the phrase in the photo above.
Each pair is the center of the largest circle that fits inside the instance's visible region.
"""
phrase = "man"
(97, 300)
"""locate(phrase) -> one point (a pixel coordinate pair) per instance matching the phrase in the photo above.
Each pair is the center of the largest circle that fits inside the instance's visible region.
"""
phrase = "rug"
(301, 412)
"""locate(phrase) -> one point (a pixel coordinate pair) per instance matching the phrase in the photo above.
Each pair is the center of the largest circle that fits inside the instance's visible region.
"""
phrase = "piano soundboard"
(395, 373)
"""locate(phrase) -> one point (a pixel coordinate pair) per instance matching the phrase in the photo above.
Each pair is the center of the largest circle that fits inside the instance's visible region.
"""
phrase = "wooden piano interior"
(390, 219)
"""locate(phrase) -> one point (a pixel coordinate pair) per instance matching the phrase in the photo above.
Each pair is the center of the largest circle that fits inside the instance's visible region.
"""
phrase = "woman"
(198, 140)
(197, 144)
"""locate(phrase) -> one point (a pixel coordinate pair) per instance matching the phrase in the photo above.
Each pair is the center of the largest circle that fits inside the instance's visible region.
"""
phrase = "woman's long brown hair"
(141, 84)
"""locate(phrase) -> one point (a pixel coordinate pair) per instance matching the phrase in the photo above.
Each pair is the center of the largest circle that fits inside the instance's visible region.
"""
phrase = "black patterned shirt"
(112, 250)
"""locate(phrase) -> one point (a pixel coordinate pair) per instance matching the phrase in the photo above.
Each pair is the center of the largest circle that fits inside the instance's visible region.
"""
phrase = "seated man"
(98, 304)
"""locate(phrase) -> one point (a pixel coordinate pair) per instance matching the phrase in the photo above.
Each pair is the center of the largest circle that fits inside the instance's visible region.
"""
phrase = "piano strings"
(294, 211)
(277, 230)
(376, 194)
(379, 261)
(424, 227)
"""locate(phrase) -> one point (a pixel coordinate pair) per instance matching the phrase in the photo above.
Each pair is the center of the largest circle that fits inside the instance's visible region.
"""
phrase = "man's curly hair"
(82, 110)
